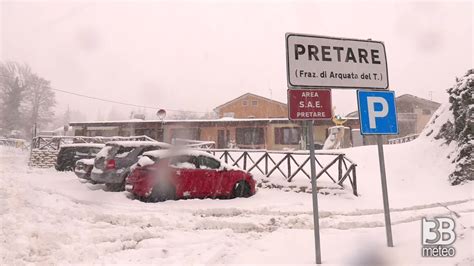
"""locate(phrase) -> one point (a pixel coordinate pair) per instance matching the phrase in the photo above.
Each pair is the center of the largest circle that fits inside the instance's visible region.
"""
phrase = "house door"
(222, 138)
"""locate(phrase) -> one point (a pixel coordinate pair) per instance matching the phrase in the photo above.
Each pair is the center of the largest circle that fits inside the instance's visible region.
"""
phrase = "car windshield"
(120, 151)
(184, 161)
(206, 162)
(146, 160)
(104, 152)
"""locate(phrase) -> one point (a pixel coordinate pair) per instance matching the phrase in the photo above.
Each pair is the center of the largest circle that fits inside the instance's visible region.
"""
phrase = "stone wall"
(43, 158)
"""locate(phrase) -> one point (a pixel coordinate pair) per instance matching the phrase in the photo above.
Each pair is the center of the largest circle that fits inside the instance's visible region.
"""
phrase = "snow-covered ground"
(50, 217)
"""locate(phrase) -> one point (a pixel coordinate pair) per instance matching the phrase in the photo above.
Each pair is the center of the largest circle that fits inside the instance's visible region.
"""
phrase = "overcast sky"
(198, 55)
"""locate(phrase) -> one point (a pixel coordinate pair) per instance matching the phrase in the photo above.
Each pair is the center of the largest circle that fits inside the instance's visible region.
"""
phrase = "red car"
(166, 174)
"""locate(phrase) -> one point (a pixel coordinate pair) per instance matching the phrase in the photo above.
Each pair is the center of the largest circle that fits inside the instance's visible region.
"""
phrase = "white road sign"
(328, 62)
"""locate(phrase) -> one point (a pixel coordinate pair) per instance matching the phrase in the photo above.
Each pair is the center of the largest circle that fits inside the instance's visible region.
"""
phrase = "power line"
(122, 103)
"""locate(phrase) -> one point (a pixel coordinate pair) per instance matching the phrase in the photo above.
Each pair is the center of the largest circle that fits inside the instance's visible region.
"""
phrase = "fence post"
(339, 167)
(266, 163)
(245, 160)
(289, 164)
(354, 178)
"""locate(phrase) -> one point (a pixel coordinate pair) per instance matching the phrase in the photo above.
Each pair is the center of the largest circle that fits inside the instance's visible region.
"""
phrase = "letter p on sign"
(377, 112)
(383, 112)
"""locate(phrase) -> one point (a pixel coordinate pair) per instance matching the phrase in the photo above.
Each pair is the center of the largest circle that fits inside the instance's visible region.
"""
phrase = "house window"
(186, 133)
(229, 114)
(249, 136)
(426, 111)
(254, 103)
(245, 103)
(287, 135)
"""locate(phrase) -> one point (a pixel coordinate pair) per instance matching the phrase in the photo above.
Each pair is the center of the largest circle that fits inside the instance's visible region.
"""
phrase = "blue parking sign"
(377, 112)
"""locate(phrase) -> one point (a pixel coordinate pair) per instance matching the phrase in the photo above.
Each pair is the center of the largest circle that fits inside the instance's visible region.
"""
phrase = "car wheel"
(115, 187)
(241, 190)
(162, 192)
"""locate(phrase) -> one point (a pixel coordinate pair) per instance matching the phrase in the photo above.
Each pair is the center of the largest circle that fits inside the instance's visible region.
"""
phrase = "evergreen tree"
(461, 129)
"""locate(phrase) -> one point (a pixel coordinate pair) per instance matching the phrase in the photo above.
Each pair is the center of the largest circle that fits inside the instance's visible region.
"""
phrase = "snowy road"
(51, 217)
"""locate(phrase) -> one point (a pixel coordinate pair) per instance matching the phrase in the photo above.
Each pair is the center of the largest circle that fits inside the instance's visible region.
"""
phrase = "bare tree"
(38, 104)
(66, 118)
(13, 84)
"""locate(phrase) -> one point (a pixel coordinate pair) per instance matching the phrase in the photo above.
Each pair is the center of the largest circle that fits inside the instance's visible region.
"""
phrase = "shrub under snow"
(459, 127)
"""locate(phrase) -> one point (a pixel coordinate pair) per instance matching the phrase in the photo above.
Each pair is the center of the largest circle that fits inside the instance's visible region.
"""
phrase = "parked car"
(163, 175)
(69, 154)
(112, 163)
(83, 168)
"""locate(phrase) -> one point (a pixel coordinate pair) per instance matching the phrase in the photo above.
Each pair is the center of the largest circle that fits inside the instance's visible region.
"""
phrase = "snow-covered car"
(112, 164)
(83, 168)
(69, 154)
(171, 174)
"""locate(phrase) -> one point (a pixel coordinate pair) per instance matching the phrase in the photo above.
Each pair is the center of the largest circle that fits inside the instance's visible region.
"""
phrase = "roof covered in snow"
(405, 98)
(196, 121)
(226, 120)
(131, 143)
(253, 95)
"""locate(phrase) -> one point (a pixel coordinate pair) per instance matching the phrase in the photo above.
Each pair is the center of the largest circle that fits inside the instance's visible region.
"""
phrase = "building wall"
(168, 131)
(263, 109)
(210, 132)
(422, 119)
(320, 133)
(270, 137)
(413, 114)
(96, 132)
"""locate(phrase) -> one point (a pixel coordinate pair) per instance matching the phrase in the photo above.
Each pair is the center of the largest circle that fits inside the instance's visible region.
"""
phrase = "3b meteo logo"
(437, 237)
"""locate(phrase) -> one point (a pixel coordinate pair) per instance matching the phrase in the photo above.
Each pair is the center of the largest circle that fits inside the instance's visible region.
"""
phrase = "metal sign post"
(383, 178)
(317, 242)
(378, 116)
(314, 62)
(310, 105)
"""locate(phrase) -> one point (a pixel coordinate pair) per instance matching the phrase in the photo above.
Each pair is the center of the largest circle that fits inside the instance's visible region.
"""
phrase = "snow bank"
(86, 161)
(50, 217)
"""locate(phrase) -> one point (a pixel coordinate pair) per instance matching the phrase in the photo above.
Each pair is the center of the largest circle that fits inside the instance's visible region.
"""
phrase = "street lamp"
(161, 114)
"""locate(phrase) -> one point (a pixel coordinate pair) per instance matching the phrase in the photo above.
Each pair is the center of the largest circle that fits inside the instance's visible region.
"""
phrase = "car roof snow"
(131, 143)
(92, 145)
(178, 152)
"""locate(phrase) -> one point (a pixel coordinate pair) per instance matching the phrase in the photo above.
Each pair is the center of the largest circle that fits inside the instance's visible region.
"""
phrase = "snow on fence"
(44, 150)
(336, 166)
(407, 138)
(16, 143)
(55, 142)
(196, 144)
